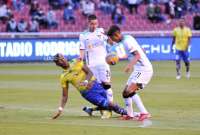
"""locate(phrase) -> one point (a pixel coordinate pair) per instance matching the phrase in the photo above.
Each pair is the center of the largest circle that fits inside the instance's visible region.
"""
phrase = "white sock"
(137, 100)
(129, 107)
(109, 94)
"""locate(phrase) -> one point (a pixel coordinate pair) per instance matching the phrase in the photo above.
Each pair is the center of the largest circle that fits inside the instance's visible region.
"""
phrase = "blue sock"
(118, 109)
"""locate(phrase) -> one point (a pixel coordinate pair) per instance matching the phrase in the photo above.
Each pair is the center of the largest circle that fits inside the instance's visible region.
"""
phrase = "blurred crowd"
(156, 11)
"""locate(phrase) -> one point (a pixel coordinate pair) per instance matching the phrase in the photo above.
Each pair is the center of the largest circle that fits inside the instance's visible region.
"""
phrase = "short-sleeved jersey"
(94, 44)
(126, 47)
(74, 75)
(181, 37)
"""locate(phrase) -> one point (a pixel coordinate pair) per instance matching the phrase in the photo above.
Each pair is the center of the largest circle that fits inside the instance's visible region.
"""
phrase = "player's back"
(94, 44)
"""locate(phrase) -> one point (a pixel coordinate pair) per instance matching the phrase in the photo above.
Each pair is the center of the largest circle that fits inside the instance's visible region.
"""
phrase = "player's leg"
(105, 77)
(178, 64)
(131, 93)
(90, 110)
(104, 104)
(101, 74)
(135, 82)
(109, 93)
(105, 114)
(117, 109)
(186, 60)
(97, 96)
(128, 103)
(128, 92)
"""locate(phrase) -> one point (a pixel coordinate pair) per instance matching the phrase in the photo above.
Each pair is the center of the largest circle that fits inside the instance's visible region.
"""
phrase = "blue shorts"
(96, 95)
(182, 55)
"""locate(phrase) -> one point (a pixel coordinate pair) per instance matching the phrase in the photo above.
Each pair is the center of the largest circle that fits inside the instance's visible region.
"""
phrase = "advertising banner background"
(37, 49)
(40, 49)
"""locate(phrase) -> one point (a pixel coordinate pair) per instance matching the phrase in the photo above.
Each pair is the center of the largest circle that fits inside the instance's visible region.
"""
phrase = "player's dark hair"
(57, 57)
(92, 17)
(112, 30)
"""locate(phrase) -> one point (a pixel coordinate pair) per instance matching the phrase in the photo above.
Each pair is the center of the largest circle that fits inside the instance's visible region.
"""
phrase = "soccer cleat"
(178, 77)
(144, 116)
(188, 75)
(136, 114)
(106, 114)
(88, 110)
(126, 117)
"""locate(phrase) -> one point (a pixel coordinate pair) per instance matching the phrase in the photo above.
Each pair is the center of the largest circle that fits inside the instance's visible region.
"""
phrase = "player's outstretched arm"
(62, 104)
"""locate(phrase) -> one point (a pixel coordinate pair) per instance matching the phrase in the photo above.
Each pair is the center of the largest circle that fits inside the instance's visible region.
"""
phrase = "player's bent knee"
(140, 86)
(106, 85)
(130, 90)
(104, 104)
(187, 63)
(126, 94)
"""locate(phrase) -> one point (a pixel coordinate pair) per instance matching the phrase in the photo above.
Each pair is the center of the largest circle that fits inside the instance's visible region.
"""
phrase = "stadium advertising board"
(37, 49)
(28, 50)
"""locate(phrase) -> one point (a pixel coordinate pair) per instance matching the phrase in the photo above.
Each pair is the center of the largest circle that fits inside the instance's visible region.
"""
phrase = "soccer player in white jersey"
(93, 47)
(126, 45)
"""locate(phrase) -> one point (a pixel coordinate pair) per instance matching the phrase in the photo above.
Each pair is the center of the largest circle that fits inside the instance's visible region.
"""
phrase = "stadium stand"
(133, 22)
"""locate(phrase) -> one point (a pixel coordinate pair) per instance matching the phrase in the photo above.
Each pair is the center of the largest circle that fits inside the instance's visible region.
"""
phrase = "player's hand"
(84, 83)
(128, 68)
(57, 114)
(87, 84)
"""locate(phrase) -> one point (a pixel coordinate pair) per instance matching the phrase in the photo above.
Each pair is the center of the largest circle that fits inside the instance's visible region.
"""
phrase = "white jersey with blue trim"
(126, 47)
(94, 44)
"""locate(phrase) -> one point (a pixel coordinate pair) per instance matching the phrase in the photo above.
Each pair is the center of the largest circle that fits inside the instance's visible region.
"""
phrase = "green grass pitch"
(30, 94)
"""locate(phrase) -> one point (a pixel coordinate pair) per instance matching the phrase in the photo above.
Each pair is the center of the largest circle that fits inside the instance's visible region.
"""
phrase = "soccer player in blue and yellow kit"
(79, 75)
(181, 39)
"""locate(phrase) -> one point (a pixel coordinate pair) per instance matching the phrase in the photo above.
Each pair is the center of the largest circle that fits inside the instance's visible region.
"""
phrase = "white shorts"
(102, 73)
(141, 77)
